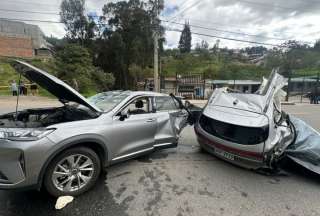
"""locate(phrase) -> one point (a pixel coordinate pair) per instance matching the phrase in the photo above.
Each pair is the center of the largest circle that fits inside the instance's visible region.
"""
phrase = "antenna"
(18, 94)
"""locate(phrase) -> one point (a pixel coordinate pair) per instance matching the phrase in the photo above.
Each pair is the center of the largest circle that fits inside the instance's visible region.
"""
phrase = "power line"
(227, 38)
(31, 12)
(274, 6)
(183, 4)
(180, 6)
(186, 9)
(30, 20)
(229, 25)
(41, 21)
(220, 30)
(34, 3)
(39, 12)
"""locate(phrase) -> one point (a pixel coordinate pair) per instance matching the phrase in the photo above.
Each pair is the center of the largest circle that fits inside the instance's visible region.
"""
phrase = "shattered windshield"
(106, 101)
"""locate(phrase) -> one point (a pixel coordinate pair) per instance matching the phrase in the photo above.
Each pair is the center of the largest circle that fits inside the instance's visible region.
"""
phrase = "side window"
(165, 103)
(139, 106)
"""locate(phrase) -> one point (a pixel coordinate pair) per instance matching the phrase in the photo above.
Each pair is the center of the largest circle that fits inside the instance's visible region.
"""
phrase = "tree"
(74, 64)
(317, 45)
(185, 39)
(77, 25)
(128, 39)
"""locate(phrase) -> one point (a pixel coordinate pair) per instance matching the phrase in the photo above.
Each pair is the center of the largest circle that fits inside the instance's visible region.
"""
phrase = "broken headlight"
(21, 134)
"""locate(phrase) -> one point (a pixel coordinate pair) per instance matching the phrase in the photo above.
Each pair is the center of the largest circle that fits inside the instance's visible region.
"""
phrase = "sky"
(271, 22)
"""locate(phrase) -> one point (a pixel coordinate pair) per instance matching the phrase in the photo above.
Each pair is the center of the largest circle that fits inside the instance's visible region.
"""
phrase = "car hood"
(52, 84)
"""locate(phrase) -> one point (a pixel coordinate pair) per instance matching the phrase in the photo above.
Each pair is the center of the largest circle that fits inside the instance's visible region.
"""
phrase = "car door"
(171, 120)
(134, 134)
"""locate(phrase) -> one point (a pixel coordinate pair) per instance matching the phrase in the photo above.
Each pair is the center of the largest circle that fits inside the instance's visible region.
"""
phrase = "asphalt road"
(185, 181)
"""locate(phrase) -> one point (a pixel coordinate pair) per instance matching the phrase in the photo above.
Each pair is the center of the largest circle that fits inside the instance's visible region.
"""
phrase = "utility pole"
(317, 88)
(289, 85)
(156, 49)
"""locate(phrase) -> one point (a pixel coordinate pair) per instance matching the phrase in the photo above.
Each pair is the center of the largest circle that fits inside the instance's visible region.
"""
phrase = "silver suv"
(65, 148)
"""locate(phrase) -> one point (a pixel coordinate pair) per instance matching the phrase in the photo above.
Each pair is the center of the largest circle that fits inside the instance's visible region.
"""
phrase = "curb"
(288, 103)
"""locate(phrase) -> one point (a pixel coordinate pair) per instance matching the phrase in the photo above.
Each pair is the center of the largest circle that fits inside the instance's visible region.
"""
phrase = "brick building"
(18, 39)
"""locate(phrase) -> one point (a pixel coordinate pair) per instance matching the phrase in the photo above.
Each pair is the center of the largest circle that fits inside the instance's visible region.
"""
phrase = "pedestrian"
(34, 89)
(14, 88)
(21, 88)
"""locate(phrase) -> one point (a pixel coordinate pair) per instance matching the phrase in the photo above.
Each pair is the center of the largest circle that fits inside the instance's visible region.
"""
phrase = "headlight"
(24, 134)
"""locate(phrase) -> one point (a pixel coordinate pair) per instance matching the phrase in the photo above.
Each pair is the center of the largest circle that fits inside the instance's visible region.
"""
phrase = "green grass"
(8, 73)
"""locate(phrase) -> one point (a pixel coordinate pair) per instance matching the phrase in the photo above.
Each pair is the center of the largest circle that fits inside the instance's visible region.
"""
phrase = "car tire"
(51, 182)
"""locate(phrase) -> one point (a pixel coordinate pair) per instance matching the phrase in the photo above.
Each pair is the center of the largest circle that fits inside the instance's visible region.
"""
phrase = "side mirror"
(124, 114)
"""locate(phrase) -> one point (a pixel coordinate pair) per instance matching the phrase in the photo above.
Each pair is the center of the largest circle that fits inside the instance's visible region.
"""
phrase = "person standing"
(21, 88)
(14, 88)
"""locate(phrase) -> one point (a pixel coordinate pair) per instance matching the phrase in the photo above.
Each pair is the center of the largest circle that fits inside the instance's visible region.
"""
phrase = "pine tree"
(185, 39)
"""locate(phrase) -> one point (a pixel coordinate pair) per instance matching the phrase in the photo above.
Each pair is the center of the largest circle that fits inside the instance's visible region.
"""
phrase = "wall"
(20, 29)
(16, 46)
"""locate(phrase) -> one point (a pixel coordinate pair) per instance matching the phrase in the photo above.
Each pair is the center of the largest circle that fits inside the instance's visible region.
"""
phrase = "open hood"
(52, 84)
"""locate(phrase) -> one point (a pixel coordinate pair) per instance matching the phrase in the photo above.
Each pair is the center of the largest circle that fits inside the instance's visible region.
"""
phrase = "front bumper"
(249, 160)
(21, 162)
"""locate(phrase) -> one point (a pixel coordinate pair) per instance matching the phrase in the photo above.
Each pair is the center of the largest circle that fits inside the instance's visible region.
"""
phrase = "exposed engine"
(35, 118)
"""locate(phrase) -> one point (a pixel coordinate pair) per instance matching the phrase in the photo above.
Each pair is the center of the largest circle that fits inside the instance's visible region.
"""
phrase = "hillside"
(8, 74)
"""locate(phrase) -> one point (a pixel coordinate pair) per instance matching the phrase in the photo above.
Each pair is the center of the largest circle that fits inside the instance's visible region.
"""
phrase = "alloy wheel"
(73, 173)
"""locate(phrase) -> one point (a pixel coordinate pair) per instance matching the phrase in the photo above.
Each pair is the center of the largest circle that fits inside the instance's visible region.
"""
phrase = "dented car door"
(171, 120)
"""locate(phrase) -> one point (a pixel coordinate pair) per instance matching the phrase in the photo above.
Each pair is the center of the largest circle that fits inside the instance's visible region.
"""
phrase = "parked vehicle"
(248, 130)
(64, 149)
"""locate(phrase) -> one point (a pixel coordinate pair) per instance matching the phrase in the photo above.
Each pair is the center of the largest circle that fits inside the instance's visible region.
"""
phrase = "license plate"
(224, 154)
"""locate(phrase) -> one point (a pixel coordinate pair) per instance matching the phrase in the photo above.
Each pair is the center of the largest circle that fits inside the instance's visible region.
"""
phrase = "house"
(18, 39)
(245, 86)
(302, 85)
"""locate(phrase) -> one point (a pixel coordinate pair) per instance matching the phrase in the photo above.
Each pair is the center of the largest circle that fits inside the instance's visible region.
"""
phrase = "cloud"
(297, 19)
(273, 18)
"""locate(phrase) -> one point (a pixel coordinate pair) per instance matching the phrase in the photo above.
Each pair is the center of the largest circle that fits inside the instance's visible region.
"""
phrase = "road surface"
(185, 181)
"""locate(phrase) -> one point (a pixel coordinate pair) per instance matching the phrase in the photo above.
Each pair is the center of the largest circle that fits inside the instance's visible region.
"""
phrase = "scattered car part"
(63, 201)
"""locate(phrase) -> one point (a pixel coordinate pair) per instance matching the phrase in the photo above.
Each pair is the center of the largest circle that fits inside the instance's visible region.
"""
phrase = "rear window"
(234, 133)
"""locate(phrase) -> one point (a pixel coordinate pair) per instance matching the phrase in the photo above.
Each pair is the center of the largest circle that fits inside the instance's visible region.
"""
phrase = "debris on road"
(63, 201)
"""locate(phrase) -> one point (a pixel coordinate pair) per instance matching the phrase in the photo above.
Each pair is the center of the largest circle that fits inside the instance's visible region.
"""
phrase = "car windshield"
(106, 101)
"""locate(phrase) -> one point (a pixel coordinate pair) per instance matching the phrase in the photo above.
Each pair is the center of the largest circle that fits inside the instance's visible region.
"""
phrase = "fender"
(72, 142)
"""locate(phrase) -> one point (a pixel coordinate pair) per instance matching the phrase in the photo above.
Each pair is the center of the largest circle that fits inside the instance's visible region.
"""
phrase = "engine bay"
(43, 117)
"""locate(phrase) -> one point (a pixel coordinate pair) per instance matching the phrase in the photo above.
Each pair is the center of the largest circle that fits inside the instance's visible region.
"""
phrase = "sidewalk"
(9, 102)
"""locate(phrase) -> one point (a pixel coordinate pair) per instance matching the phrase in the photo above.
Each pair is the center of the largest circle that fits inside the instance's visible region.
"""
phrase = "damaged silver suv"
(65, 148)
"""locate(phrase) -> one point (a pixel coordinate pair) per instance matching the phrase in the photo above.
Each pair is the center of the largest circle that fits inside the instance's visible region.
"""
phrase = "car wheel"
(72, 172)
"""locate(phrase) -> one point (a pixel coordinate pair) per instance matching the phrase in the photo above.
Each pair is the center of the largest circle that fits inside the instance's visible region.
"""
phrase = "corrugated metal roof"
(231, 82)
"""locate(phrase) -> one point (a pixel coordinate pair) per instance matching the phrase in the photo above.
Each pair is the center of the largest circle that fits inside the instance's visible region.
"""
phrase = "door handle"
(150, 120)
